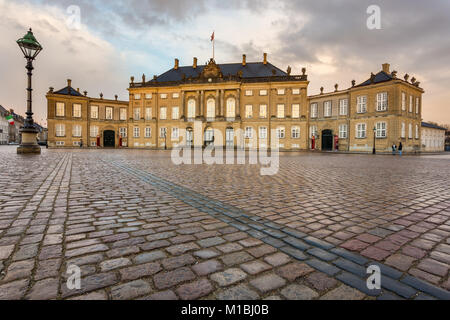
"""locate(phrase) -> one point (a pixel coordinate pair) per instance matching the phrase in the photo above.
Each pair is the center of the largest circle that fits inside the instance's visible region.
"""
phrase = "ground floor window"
(248, 132)
(94, 131)
(60, 130)
(343, 131)
(263, 132)
(76, 131)
(136, 132)
(281, 132)
(148, 132)
(361, 130)
(175, 134)
(381, 130)
(123, 132)
(295, 132)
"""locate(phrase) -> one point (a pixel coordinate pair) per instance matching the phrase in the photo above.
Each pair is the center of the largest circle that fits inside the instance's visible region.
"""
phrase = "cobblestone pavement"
(141, 228)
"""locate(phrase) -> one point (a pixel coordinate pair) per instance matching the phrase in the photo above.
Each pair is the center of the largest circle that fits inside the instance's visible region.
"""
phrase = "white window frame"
(403, 101)
(313, 131)
(248, 133)
(314, 110)
(249, 93)
(175, 134)
(93, 131)
(295, 132)
(162, 132)
(231, 108)
(76, 111)
(136, 132)
(148, 96)
(361, 102)
(361, 131)
(249, 111)
(137, 113)
(148, 113)
(60, 130)
(281, 92)
(411, 102)
(175, 95)
(147, 132)
(123, 114)
(137, 96)
(417, 131)
(280, 111)
(410, 133)
(296, 111)
(60, 109)
(175, 113)
(262, 132)
(123, 132)
(263, 111)
(343, 131)
(76, 130)
(381, 129)
(327, 109)
(191, 109)
(211, 108)
(163, 95)
(111, 115)
(417, 105)
(281, 132)
(163, 113)
(343, 107)
(94, 112)
(403, 130)
(263, 92)
(382, 101)
(296, 91)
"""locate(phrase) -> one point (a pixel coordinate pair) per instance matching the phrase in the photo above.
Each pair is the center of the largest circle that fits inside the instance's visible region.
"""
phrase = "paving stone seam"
(197, 200)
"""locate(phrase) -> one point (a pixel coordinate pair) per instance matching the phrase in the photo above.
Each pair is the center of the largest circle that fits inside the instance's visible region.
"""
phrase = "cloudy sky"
(117, 39)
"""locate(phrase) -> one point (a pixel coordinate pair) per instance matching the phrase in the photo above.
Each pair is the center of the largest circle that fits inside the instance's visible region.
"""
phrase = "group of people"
(395, 148)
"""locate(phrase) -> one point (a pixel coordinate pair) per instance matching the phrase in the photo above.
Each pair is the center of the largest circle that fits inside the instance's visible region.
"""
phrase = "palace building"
(242, 104)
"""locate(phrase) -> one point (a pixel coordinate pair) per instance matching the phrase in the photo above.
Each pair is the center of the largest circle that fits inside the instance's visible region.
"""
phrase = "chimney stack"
(85, 93)
(244, 60)
(101, 95)
(176, 64)
(386, 67)
(69, 82)
(265, 58)
(143, 78)
(50, 89)
(132, 79)
(116, 96)
(195, 63)
(78, 89)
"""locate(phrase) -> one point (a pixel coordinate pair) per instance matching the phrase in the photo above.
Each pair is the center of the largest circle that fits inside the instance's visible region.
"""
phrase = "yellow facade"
(244, 110)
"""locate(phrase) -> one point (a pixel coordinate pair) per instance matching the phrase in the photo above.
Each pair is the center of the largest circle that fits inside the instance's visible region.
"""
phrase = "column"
(197, 107)
(202, 104)
(238, 103)
(217, 103)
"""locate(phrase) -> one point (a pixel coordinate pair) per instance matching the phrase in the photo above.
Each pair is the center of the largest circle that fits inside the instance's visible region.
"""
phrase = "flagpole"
(214, 42)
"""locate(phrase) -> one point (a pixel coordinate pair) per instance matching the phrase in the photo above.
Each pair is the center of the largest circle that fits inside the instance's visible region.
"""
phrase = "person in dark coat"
(400, 148)
(394, 149)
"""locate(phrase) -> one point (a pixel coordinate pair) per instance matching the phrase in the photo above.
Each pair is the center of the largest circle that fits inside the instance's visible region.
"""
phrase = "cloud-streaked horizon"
(119, 39)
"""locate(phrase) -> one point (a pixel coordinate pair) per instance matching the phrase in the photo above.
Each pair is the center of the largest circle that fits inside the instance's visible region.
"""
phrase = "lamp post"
(374, 139)
(30, 48)
(165, 139)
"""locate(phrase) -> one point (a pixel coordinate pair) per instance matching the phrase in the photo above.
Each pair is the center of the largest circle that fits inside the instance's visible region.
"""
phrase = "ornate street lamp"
(374, 139)
(30, 48)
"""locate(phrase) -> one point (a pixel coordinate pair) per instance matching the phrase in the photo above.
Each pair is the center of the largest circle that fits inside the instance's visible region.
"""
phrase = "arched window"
(211, 108)
(231, 108)
(191, 109)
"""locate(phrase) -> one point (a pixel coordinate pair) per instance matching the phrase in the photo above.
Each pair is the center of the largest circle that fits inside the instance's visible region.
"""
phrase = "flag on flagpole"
(10, 120)
(212, 36)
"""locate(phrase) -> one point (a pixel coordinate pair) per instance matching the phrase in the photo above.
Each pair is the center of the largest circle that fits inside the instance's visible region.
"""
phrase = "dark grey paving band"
(346, 266)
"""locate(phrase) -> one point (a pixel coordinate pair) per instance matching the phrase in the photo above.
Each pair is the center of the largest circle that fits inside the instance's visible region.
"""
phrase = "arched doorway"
(109, 139)
(327, 140)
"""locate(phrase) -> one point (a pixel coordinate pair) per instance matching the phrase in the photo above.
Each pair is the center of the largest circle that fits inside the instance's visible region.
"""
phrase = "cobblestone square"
(140, 227)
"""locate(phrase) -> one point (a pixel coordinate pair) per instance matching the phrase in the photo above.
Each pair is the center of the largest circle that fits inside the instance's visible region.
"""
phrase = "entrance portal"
(327, 140)
(109, 139)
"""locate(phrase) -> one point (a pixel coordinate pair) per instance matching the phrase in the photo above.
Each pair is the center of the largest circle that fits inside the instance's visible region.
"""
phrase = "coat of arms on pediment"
(211, 70)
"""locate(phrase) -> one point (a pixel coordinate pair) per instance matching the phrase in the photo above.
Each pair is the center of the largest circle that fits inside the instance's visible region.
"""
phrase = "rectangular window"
(411, 101)
(248, 132)
(175, 95)
(148, 132)
(123, 132)
(410, 135)
(263, 132)
(94, 112)
(175, 113)
(295, 91)
(295, 132)
(137, 96)
(136, 132)
(60, 109)
(361, 104)
(314, 110)
(263, 92)
(417, 131)
(109, 113)
(148, 113)
(76, 110)
(382, 101)
(137, 113)
(361, 130)
(280, 111)
(248, 92)
(163, 95)
(76, 131)
(60, 130)
(280, 92)
(343, 131)
(327, 109)
(417, 105)
(94, 131)
(148, 96)
(123, 114)
(313, 131)
(163, 113)
(295, 111)
(381, 130)
(343, 107)
(403, 131)
(263, 111)
(403, 101)
(175, 134)
(162, 132)
(249, 111)
(281, 133)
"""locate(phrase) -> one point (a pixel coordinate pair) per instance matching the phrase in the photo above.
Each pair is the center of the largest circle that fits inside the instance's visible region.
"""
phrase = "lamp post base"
(29, 144)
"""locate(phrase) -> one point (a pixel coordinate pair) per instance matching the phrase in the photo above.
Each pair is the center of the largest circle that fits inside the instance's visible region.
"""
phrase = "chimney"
(50, 89)
(336, 86)
(176, 64)
(321, 90)
(85, 93)
(69, 82)
(116, 96)
(386, 67)
(244, 59)
(101, 95)
(143, 78)
(78, 89)
(195, 63)
(265, 58)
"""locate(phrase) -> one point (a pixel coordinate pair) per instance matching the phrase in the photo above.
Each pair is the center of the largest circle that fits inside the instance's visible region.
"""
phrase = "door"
(327, 140)
(109, 139)
(229, 133)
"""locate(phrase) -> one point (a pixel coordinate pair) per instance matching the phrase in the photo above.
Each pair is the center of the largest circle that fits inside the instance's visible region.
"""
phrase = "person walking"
(394, 149)
(400, 148)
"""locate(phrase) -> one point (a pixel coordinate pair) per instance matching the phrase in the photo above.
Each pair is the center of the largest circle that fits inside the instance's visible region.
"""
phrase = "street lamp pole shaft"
(29, 120)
